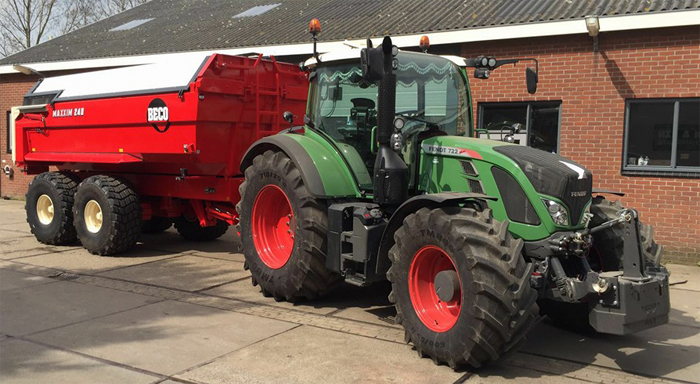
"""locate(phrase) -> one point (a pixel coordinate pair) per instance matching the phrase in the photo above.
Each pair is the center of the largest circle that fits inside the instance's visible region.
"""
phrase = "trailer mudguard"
(321, 168)
(412, 205)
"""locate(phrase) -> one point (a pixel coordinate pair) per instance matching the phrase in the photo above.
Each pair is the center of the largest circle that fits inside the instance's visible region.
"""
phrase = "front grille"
(475, 186)
(468, 168)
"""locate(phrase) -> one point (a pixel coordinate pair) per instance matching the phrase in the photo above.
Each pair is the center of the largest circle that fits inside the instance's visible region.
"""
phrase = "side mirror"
(531, 78)
(288, 117)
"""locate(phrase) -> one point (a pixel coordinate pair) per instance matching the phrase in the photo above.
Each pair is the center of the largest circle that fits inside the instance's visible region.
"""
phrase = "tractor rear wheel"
(49, 207)
(283, 231)
(461, 286)
(107, 215)
(191, 230)
(156, 225)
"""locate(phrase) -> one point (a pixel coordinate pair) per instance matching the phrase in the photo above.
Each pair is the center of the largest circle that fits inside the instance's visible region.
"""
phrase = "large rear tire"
(191, 230)
(49, 206)
(283, 231)
(492, 307)
(107, 215)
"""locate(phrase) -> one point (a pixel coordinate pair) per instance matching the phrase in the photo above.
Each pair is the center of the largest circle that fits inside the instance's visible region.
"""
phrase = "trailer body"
(175, 131)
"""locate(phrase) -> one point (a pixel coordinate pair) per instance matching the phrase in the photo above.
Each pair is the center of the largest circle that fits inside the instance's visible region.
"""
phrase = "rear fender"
(322, 169)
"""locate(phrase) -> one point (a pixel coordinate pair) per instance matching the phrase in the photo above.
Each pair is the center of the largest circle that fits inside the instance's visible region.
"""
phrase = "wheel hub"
(273, 226)
(93, 216)
(435, 288)
(45, 209)
(447, 285)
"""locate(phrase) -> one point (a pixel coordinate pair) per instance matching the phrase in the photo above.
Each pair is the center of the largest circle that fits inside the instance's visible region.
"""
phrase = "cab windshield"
(430, 90)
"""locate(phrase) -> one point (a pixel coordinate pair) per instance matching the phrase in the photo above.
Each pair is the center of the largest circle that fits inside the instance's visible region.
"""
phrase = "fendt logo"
(158, 112)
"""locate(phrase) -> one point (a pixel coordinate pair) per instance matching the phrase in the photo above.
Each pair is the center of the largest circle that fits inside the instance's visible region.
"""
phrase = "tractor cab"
(432, 99)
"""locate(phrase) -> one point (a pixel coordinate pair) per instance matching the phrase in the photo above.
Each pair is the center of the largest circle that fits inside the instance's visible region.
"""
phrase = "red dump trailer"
(148, 145)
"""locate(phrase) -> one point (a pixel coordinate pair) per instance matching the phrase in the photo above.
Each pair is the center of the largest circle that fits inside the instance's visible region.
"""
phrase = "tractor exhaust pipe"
(390, 171)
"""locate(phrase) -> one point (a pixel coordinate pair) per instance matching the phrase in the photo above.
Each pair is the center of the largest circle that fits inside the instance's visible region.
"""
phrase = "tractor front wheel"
(461, 286)
(283, 231)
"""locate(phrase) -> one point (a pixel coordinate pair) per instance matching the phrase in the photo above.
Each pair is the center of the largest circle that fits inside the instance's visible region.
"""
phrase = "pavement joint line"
(297, 317)
(33, 285)
(197, 254)
(377, 331)
(222, 284)
(90, 357)
(144, 263)
(38, 254)
(599, 367)
(173, 376)
(92, 318)
(462, 379)
(684, 289)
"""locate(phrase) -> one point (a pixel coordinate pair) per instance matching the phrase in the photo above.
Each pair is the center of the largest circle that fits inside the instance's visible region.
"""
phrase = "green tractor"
(478, 237)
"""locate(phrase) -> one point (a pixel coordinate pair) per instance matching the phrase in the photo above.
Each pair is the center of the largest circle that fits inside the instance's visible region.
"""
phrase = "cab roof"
(354, 53)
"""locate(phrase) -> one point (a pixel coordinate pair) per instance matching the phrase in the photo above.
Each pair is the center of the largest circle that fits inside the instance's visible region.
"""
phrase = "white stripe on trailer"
(136, 79)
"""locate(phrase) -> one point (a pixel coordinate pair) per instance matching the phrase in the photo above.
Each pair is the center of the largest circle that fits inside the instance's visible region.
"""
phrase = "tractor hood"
(553, 175)
(549, 175)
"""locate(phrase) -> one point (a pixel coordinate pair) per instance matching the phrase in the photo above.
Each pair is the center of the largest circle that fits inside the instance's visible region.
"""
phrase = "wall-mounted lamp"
(593, 27)
(26, 70)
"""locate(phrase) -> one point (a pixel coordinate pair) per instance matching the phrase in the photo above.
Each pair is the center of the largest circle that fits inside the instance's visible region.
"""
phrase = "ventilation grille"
(475, 186)
(468, 168)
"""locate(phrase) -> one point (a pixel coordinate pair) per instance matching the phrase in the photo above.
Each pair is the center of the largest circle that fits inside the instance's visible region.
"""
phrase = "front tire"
(283, 231)
(49, 206)
(107, 215)
(492, 307)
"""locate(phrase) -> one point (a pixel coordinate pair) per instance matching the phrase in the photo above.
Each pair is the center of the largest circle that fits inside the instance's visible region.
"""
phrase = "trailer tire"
(49, 207)
(294, 268)
(156, 225)
(191, 230)
(107, 215)
(494, 286)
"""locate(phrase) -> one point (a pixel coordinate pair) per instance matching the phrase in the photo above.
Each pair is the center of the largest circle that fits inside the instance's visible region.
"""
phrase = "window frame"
(657, 170)
(528, 104)
(8, 118)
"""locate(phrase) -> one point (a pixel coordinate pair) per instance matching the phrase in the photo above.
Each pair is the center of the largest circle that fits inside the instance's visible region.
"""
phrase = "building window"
(540, 122)
(9, 132)
(662, 136)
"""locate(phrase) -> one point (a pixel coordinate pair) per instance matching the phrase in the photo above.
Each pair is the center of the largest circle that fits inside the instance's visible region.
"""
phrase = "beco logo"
(158, 112)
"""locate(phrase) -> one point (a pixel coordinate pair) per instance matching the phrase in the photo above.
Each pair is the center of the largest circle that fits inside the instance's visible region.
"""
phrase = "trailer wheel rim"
(45, 209)
(93, 216)
(437, 315)
(273, 226)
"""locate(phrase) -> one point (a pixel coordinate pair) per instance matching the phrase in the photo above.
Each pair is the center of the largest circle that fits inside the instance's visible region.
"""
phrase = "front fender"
(321, 168)
(412, 205)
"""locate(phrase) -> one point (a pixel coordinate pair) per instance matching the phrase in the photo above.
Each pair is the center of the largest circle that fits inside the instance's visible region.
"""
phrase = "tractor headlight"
(557, 212)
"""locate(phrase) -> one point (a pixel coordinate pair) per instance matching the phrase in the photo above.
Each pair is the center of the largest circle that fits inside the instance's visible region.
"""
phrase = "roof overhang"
(553, 28)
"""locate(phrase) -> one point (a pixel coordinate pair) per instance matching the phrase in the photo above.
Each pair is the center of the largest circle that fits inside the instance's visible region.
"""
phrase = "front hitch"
(620, 302)
(638, 297)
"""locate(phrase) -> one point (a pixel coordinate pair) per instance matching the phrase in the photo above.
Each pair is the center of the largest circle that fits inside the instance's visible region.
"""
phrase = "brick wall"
(593, 87)
(12, 90)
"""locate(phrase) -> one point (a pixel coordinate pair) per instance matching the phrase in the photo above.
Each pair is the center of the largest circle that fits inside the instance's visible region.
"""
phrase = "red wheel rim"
(273, 226)
(437, 315)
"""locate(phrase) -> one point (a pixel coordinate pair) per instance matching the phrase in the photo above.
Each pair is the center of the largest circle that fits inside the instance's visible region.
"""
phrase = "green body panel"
(338, 181)
(440, 173)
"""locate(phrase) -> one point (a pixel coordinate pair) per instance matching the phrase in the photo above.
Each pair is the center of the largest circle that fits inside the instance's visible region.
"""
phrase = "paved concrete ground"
(180, 312)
